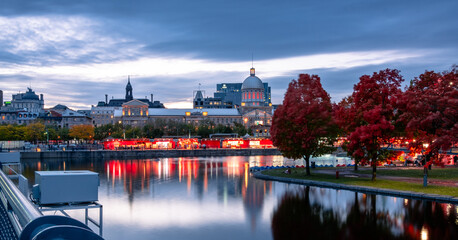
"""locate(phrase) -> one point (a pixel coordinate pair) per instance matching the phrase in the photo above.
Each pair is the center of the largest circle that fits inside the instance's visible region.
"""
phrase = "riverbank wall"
(144, 154)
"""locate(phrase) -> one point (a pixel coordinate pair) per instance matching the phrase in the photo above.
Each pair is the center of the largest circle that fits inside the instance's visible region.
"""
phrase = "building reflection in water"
(302, 214)
(214, 195)
(231, 177)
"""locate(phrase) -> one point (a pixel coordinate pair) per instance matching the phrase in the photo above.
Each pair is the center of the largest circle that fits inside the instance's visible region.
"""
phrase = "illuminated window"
(188, 113)
(205, 113)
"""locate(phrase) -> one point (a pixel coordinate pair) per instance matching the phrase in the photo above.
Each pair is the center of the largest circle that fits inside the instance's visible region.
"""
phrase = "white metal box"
(56, 187)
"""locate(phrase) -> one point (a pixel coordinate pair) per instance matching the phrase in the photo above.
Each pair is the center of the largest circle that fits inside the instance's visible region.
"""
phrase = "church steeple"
(129, 90)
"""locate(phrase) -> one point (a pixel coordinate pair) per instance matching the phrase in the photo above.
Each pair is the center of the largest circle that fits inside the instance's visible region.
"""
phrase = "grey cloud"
(231, 31)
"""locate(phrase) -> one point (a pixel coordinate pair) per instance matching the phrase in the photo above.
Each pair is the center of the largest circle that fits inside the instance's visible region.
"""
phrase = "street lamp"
(47, 137)
(425, 171)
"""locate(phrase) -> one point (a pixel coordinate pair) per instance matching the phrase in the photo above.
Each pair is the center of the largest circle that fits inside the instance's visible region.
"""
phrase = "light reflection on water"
(216, 198)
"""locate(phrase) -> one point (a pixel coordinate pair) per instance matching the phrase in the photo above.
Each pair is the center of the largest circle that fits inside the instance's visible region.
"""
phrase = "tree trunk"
(374, 169)
(307, 165)
(356, 166)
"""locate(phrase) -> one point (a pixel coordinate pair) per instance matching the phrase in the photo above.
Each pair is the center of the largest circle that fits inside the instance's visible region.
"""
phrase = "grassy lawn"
(387, 184)
(435, 173)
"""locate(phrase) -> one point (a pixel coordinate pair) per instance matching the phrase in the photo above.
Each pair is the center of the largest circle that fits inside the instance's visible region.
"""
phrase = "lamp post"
(47, 137)
(425, 170)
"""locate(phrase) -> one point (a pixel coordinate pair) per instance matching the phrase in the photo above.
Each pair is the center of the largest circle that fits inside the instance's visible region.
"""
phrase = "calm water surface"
(216, 198)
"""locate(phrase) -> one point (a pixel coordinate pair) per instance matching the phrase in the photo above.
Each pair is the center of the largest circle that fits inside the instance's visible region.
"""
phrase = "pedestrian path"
(357, 188)
(351, 173)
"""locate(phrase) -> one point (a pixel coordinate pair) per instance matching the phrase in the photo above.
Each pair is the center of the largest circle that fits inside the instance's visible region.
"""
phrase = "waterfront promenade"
(366, 189)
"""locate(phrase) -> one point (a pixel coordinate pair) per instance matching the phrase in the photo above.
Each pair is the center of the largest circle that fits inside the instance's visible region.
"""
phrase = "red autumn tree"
(372, 111)
(344, 115)
(303, 125)
(429, 110)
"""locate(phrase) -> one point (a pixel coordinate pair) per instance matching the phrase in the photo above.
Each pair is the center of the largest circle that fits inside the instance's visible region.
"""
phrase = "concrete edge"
(362, 189)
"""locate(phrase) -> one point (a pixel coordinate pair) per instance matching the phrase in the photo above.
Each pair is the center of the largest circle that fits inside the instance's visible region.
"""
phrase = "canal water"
(217, 198)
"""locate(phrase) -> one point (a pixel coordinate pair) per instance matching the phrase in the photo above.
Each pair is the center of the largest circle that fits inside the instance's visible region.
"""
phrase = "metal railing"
(30, 223)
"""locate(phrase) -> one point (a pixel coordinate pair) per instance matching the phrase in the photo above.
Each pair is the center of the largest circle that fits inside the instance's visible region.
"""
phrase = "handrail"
(23, 209)
(30, 223)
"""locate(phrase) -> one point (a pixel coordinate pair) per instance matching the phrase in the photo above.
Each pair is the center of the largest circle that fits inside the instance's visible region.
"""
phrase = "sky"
(75, 52)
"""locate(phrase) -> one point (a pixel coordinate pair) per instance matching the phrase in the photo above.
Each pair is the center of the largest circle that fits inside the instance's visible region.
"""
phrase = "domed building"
(252, 91)
(256, 111)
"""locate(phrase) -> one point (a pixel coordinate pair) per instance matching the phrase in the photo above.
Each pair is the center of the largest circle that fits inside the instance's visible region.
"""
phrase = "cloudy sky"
(75, 52)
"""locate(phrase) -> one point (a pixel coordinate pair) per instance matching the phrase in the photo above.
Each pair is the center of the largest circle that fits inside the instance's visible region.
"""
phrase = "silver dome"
(252, 82)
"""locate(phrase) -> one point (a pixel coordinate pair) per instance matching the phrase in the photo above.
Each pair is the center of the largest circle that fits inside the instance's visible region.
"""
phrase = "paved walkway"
(350, 173)
(364, 189)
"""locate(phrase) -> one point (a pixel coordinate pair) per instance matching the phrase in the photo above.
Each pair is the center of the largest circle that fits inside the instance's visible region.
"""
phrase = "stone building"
(254, 112)
(24, 108)
(63, 117)
(103, 113)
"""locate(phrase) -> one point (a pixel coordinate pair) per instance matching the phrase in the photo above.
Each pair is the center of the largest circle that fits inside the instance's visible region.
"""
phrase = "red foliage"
(367, 116)
(303, 126)
(429, 110)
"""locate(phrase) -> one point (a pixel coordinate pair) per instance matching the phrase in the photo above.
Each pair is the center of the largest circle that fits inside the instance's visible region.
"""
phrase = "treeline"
(168, 128)
(39, 132)
(379, 111)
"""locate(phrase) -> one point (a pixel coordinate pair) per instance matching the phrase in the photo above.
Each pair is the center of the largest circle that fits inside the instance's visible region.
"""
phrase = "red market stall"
(260, 143)
(210, 143)
(235, 143)
(188, 143)
(163, 143)
(112, 144)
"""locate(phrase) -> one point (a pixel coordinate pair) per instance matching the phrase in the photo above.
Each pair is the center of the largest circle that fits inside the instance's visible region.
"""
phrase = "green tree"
(240, 129)
(52, 133)
(82, 132)
(134, 132)
(204, 129)
(63, 134)
(35, 132)
(6, 133)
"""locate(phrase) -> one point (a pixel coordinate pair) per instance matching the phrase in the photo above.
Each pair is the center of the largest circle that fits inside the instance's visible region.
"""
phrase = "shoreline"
(362, 189)
(143, 154)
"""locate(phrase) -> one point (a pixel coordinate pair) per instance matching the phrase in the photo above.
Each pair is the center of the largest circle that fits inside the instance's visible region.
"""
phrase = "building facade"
(63, 117)
(254, 110)
(24, 108)
(231, 95)
(103, 112)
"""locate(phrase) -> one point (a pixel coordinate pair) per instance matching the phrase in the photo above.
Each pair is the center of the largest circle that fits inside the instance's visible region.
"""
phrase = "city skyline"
(76, 52)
